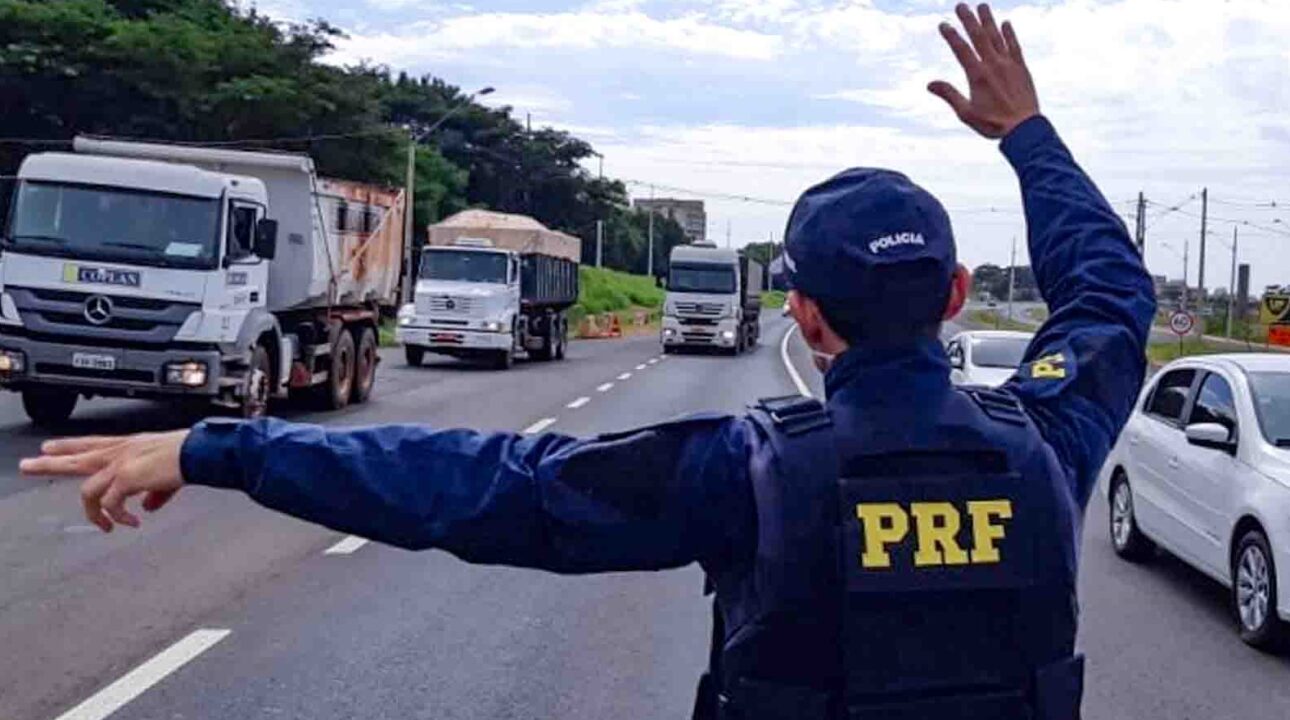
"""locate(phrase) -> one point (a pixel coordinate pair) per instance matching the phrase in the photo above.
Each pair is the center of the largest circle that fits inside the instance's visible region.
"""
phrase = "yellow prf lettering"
(1049, 367)
(936, 525)
(883, 524)
(985, 531)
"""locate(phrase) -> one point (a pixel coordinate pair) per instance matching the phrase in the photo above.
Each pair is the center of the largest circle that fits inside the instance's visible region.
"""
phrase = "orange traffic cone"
(615, 327)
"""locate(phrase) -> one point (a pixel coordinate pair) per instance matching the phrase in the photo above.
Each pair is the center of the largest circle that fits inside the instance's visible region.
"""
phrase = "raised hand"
(115, 468)
(1001, 93)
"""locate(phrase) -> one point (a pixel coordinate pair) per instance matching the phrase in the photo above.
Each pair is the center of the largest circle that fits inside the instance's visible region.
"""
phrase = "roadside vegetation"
(995, 320)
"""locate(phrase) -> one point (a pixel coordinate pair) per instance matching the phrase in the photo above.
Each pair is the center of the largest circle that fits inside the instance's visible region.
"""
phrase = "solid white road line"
(346, 546)
(578, 403)
(793, 374)
(539, 426)
(624, 376)
(604, 387)
(137, 681)
(642, 366)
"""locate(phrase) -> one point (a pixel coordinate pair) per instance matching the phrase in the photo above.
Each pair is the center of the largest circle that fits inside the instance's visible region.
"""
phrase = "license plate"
(93, 361)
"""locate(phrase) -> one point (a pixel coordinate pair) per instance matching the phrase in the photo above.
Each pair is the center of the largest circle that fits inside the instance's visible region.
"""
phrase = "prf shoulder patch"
(1049, 367)
(1049, 373)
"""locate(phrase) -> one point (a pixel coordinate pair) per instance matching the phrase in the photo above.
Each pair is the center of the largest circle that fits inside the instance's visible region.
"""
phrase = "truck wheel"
(48, 407)
(562, 341)
(258, 385)
(414, 355)
(340, 378)
(365, 365)
(504, 359)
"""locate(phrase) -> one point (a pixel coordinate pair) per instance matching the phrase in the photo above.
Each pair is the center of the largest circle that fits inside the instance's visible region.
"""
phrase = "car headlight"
(188, 374)
(12, 361)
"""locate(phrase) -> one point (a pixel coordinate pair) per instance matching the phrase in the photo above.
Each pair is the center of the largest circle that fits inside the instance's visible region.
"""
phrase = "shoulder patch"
(1049, 373)
(999, 405)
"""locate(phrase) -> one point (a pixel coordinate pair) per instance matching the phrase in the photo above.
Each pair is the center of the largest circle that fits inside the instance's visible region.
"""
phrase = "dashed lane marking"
(134, 683)
(578, 403)
(793, 374)
(346, 546)
(642, 366)
(603, 388)
(539, 426)
(624, 376)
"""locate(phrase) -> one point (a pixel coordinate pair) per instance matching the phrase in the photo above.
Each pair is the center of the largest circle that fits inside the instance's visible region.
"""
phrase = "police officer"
(907, 550)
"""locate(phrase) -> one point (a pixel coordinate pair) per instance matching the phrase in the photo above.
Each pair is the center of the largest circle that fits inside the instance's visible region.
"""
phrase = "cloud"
(579, 31)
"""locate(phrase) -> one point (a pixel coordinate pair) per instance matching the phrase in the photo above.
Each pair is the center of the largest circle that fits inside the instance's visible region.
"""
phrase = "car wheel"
(1254, 593)
(48, 408)
(1126, 538)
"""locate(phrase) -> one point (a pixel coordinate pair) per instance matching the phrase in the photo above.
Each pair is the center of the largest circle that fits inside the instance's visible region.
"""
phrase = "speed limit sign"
(1181, 322)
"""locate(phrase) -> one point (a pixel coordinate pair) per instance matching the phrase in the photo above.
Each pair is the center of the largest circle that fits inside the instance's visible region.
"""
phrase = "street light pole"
(409, 204)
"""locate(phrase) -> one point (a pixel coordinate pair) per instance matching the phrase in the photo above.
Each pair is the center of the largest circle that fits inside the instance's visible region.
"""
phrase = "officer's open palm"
(115, 469)
(1001, 93)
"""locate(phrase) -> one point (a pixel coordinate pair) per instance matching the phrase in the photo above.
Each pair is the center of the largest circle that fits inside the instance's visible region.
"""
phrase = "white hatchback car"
(986, 357)
(1203, 470)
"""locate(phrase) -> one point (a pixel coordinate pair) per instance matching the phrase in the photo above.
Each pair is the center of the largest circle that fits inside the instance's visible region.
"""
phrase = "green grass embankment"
(610, 291)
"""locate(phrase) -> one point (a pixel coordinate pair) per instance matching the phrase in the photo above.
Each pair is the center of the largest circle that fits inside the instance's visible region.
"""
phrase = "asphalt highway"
(220, 609)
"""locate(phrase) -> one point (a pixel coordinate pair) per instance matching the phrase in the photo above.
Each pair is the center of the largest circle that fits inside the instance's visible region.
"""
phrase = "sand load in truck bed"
(508, 232)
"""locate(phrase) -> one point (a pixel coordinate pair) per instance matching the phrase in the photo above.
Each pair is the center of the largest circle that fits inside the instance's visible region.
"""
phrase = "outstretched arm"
(644, 499)
(1087, 363)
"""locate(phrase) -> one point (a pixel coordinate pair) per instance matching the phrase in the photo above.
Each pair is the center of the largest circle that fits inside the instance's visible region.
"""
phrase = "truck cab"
(466, 303)
(128, 277)
(711, 301)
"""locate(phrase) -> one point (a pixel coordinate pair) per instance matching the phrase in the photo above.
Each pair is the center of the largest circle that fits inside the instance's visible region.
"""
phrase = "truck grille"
(708, 309)
(445, 304)
(146, 321)
(137, 376)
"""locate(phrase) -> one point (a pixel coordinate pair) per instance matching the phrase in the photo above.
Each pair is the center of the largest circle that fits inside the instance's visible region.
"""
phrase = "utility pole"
(649, 253)
(600, 242)
(1186, 271)
(1231, 290)
(727, 232)
(409, 209)
(1204, 221)
(1140, 231)
(1012, 275)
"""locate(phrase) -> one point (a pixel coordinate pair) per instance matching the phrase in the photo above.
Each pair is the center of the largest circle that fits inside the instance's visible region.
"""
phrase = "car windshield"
(701, 278)
(464, 266)
(999, 352)
(101, 223)
(1271, 393)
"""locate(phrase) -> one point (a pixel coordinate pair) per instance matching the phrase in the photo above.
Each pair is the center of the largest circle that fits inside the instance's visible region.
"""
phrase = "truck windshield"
(700, 278)
(464, 266)
(127, 226)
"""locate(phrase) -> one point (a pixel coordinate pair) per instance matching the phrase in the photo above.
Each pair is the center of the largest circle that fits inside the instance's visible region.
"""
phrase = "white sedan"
(1203, 470)
(986, 357)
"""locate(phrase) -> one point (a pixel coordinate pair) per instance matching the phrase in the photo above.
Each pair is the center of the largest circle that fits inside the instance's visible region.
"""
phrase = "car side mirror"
(1211, 435)
(266, 238)
(956, 361)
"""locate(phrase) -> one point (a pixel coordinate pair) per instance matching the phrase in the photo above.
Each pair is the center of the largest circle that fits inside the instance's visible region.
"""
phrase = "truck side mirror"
(266, 238)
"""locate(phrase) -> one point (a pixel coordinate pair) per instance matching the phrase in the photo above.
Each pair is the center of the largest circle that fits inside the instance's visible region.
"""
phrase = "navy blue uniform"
(682, 492)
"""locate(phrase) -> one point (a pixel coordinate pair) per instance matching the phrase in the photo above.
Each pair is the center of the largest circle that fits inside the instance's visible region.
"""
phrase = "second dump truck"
(490, 286)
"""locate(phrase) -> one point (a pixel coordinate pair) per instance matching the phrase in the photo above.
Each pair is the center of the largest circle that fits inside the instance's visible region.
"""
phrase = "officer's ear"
(960, 287)
(816, 331)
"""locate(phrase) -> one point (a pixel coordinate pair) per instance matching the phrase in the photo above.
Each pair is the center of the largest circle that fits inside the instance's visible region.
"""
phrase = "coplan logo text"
(897, 239)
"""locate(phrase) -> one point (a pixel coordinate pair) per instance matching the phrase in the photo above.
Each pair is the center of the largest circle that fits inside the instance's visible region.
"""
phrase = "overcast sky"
(762, 98)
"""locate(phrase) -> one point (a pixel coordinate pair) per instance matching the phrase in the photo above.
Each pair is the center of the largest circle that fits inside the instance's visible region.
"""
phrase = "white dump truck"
(196, 274)
(491, 285)
(713, 299)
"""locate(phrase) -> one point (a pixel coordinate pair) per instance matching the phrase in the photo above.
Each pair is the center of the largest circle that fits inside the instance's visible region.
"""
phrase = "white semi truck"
(713, 299)
(491, 285)
(195, 274)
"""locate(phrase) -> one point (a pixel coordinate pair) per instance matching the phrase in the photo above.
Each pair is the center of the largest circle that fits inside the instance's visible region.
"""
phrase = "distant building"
(690, 214)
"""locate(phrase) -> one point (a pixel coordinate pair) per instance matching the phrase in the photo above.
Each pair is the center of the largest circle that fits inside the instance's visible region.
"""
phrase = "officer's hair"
(856, 332)
(857, 322)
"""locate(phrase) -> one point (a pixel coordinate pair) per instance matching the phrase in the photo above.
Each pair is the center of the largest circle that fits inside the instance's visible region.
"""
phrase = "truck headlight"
(12, 361)
(727, 334)
(669, 332)
(188, 374)
(405, 320)
(491, 326)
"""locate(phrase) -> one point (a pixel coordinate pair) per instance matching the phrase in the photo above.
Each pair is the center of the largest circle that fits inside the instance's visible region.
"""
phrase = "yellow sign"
(1279, 335)
(1274, 309)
